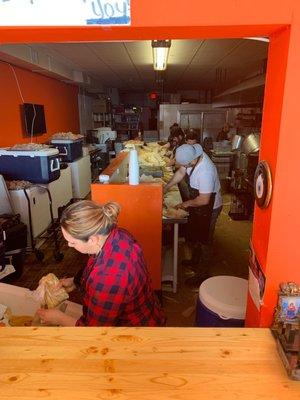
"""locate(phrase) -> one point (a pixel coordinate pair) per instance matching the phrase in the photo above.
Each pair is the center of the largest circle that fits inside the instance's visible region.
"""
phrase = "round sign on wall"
(263, 184)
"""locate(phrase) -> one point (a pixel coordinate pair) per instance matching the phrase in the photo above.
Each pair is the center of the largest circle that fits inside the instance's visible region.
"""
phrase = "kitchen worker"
(173, 126)
(115, 283)
(204, 203)
(175, 140)
(224, 133)
(191, 137)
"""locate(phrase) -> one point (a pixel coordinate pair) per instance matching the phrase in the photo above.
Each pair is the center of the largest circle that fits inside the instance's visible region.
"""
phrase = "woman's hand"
(67, 284)
(183, 205)
(171, 162)
(55, 317)
(52, 316)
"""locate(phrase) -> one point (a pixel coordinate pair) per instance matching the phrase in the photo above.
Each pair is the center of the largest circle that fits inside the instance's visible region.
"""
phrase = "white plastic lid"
(46, 152)
(54, 141)
(103, 129)
(226, 296)
(104, 178)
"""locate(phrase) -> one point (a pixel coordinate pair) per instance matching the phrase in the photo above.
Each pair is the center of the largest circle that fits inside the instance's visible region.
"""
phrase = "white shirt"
(205, 179)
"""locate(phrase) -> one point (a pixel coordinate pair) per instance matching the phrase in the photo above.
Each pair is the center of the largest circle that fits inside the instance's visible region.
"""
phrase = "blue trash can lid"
(225, 296)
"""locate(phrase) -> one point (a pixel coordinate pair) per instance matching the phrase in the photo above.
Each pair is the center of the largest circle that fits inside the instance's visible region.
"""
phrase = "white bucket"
(225, 297)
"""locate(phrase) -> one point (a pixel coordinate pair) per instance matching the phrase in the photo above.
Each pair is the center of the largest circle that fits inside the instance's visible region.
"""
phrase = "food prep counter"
(142, 363)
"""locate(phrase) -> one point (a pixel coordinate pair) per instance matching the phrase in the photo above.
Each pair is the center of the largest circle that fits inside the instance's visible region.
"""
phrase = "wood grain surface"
(142, 363)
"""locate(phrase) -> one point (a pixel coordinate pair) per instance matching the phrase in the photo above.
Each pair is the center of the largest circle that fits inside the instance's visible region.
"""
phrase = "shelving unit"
(102, 119)
(101, 114)
(126, 122)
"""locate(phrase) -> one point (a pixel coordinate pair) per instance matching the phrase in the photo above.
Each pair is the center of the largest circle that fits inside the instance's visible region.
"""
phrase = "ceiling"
(192, 65)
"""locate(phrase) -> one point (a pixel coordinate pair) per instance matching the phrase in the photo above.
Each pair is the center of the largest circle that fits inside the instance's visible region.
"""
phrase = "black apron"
(199, 217)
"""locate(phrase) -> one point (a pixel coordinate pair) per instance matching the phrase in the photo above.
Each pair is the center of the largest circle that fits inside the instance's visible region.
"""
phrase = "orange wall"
(59, 99)
(276, 230)
(274, 89)
(283, 259)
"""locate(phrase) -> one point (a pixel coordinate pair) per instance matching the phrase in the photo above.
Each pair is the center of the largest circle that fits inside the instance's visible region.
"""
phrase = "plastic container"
(222, 302)
(41, 166)
(133, 168)
(69, 150)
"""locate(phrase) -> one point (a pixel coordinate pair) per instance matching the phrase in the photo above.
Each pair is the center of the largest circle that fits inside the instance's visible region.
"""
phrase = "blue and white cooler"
(222, 302)
(36, 166)
(69, 150)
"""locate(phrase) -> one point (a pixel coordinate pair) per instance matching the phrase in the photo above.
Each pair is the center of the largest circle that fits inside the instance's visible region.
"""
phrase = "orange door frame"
(275, 230)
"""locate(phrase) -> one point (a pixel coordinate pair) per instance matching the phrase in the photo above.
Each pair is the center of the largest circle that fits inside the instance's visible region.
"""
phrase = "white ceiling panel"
(192, 63)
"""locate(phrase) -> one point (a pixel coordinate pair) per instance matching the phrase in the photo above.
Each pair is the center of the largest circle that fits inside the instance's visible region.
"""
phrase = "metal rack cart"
(50, 233)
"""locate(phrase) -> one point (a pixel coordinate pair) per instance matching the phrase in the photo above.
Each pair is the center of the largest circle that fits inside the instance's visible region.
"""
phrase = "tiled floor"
(230, 257)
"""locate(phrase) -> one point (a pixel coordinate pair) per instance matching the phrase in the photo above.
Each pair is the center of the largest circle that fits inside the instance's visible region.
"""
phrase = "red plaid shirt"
(117, 287)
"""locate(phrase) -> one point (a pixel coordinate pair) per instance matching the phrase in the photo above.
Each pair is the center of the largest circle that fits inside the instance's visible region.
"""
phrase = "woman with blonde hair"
(115, 283)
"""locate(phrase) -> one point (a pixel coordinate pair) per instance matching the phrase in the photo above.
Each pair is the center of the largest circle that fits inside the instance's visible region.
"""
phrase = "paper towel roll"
(133, 168)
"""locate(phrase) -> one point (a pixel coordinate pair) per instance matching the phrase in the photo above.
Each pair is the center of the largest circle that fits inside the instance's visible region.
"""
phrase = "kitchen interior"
(121, 99)
(95, 117)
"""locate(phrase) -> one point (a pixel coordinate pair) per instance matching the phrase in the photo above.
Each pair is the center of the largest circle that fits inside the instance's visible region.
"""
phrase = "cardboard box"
(99, 106)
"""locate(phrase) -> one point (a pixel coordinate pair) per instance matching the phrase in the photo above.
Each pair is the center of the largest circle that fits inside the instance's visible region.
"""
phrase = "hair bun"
(111, 211)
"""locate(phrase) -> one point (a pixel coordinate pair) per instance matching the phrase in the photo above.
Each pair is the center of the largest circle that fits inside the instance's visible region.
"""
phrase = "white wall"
(85, 113)
(170, 113)
(114, 96)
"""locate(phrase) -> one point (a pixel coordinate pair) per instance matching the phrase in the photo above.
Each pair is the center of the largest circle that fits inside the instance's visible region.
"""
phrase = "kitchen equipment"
(118, 147)
(236, 142)
(34, 204)
(251, 143)
(252, 161)
(13, 237)
(61, 190)
(222, 162)
(81, 177)
(240, 207)
(69, 150)
(39, 166)
(103, 134)
(6, 206)
(99, 161)
(222, 147)
(36, 209)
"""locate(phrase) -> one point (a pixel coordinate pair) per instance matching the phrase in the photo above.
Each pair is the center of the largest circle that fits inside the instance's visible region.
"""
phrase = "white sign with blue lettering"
(64, 12)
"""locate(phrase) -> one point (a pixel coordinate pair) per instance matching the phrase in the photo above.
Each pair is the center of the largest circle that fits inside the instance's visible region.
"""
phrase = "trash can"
(222, 302)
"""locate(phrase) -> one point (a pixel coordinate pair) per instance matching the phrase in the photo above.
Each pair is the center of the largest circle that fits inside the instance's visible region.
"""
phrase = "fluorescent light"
(160, 50)
(160, 58)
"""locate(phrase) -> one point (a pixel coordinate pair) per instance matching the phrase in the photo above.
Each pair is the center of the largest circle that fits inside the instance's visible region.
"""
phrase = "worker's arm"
(165, 146)
(177, 177)
(201, 200)
(171, 162)
(56, 317)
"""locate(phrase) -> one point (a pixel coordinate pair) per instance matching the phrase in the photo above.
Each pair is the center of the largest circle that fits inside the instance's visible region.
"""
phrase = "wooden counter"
(142, 363)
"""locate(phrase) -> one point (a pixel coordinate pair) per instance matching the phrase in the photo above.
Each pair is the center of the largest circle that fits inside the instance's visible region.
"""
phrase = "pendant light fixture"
(160, 50)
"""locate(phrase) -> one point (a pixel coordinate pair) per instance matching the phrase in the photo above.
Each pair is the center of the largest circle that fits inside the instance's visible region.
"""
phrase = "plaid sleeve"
(104, 300)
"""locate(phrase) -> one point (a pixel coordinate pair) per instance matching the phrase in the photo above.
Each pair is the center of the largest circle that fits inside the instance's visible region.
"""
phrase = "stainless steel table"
(174, 277)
